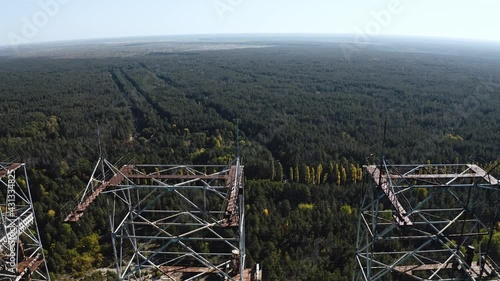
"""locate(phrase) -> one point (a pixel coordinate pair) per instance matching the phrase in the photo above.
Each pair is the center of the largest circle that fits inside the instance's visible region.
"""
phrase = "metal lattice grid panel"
(181, 221)
(427, 222)
(21, 252)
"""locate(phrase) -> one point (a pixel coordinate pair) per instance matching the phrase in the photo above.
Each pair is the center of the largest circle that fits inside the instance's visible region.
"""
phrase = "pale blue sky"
(30, 21)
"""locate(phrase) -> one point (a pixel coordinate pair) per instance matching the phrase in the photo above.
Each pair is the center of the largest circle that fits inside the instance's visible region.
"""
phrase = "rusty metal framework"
(185, 222)
(405, 232)
(21, 252)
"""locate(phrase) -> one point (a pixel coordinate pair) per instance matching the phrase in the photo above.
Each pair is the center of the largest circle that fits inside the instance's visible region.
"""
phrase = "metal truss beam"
(183, 221)
(426, 222)
(21, 253)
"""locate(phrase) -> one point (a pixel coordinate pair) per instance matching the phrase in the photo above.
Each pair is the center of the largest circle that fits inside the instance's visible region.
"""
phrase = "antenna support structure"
(21, 252)
(427, 222)
(182, 222)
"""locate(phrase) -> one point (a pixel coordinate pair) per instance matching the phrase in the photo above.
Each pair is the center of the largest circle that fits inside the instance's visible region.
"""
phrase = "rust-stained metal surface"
(247, 274)
(114, 181)
(10, 167)
(382, 181)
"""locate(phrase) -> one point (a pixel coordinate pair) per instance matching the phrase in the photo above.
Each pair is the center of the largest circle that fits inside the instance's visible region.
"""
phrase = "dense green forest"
(307, 116)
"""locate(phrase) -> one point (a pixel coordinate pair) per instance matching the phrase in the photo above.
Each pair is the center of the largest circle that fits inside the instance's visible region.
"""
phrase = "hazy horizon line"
(250, 35)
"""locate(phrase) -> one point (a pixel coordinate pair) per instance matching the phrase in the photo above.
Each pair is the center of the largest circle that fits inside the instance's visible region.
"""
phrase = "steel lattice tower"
(425, 222)
(21, 252)
(181, 221)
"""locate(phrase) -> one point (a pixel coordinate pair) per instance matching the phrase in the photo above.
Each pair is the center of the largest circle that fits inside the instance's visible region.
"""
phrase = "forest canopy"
(304, 117)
